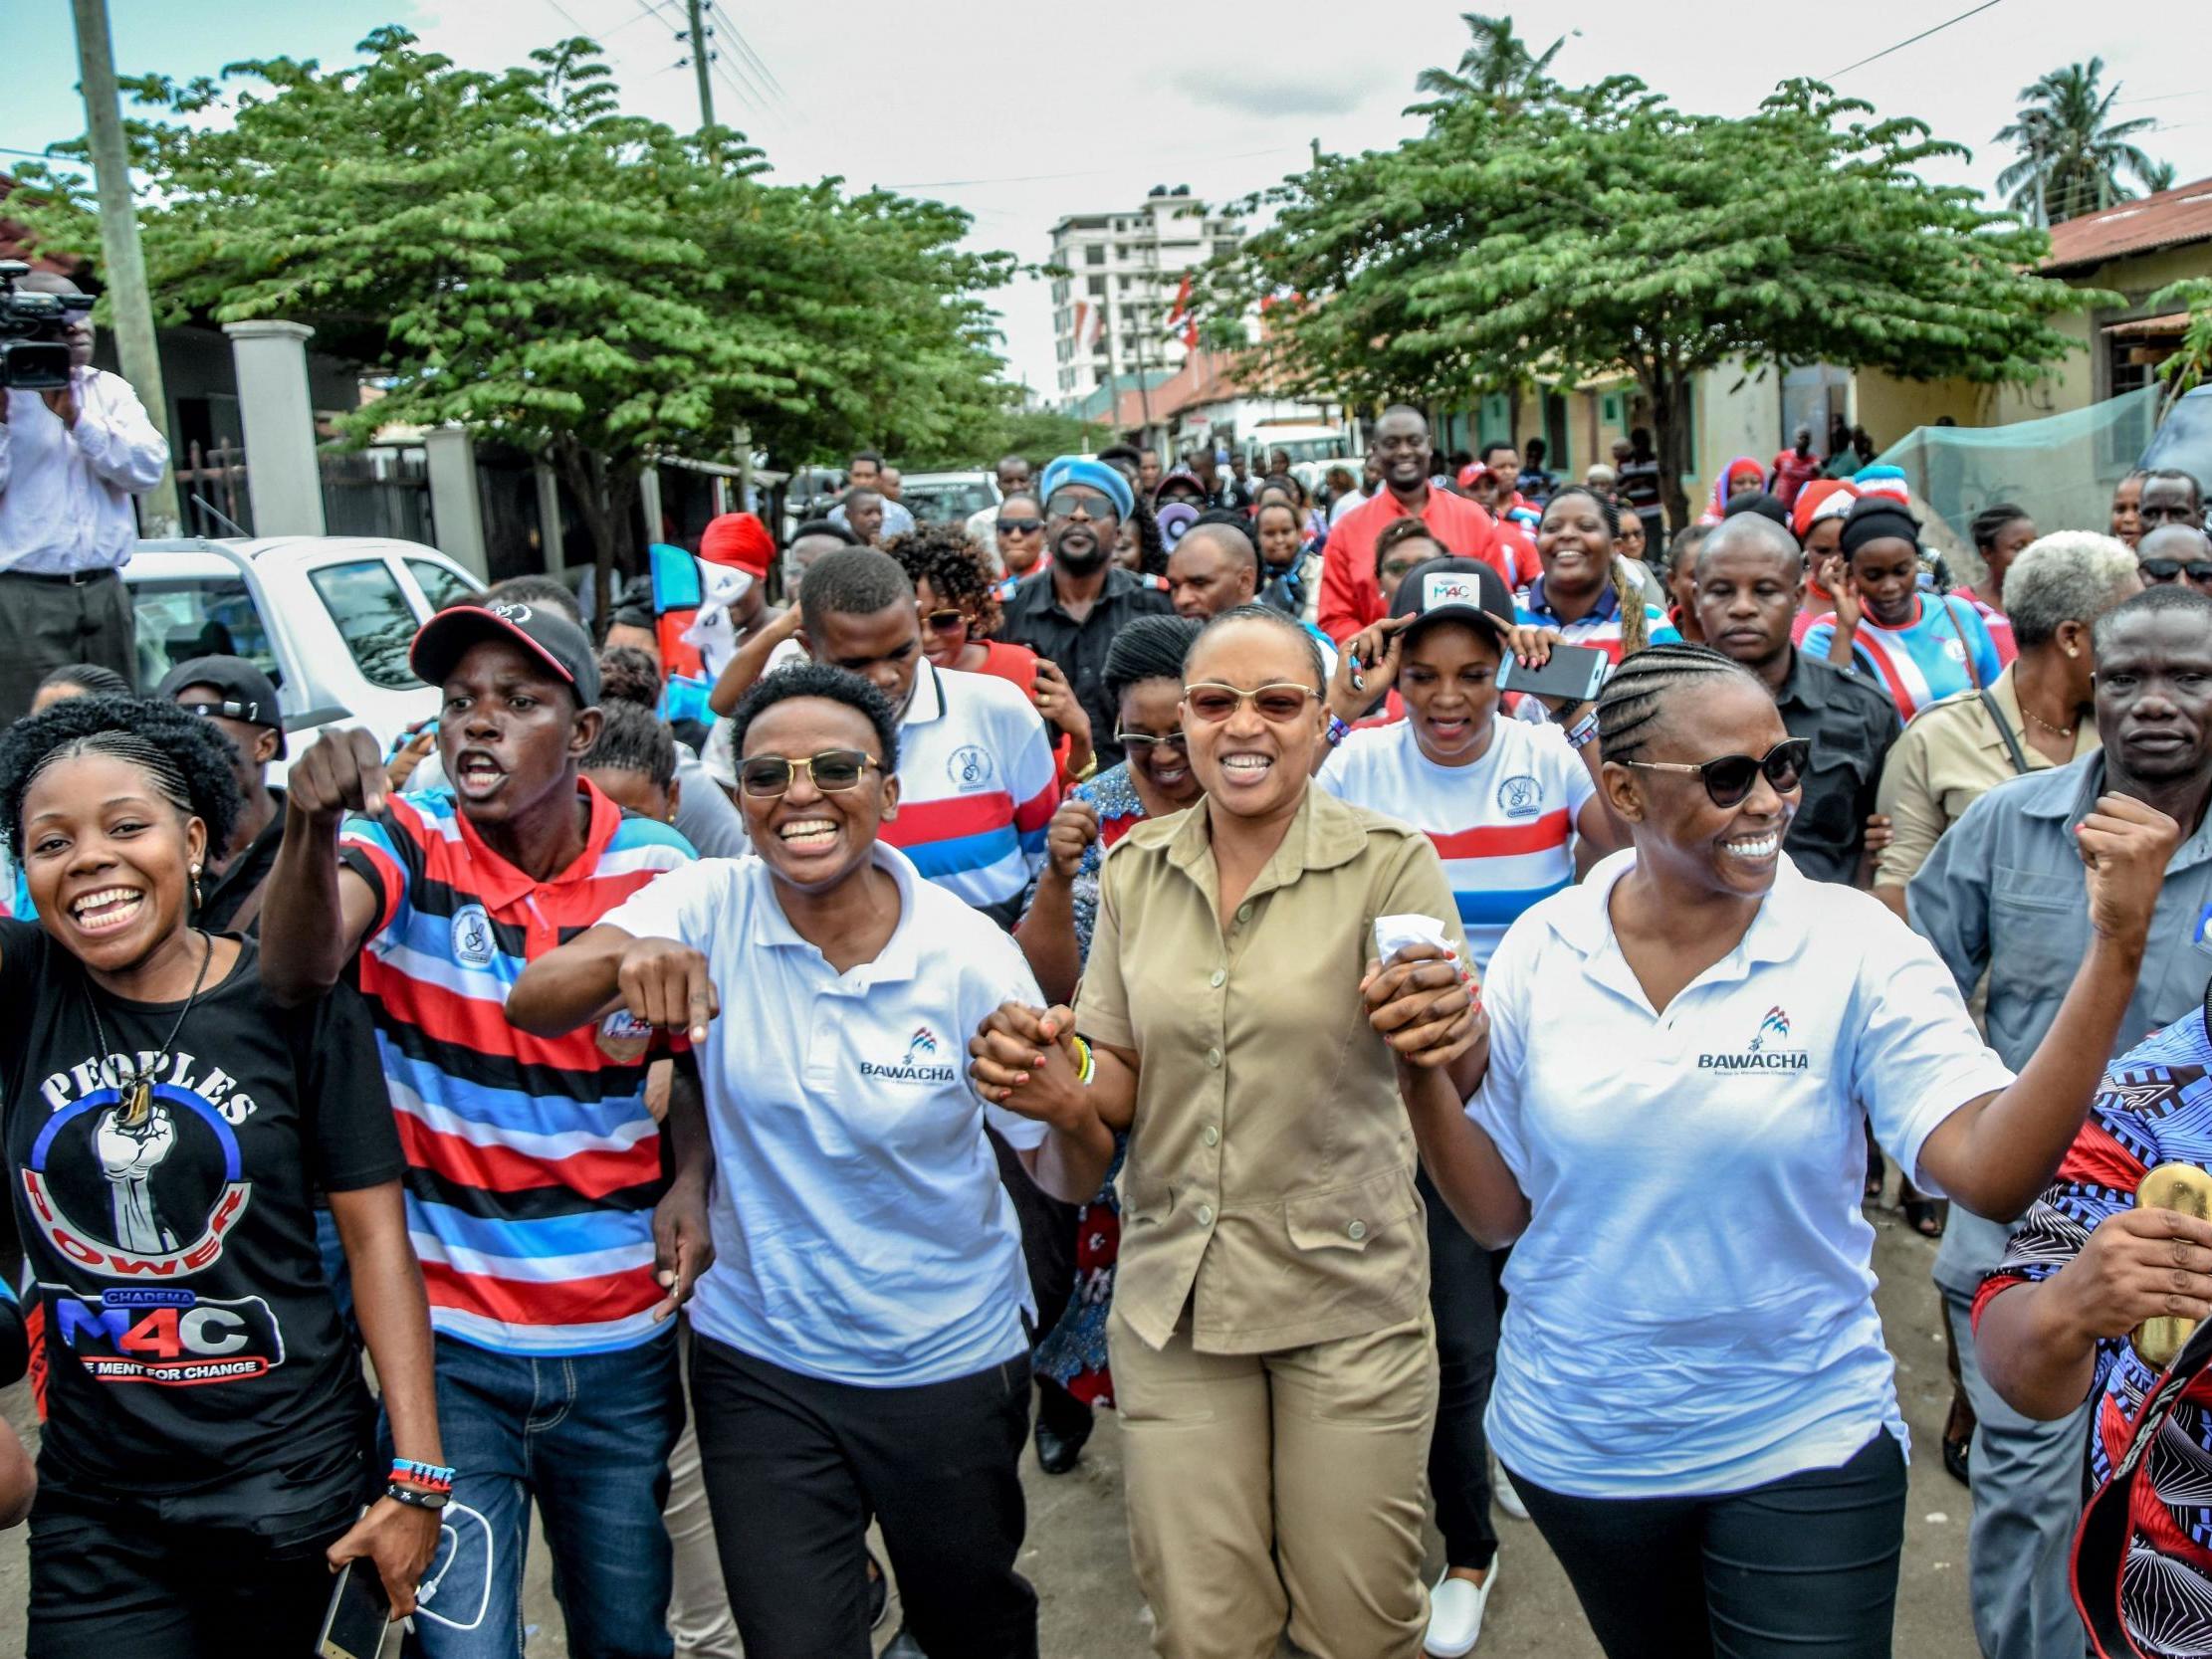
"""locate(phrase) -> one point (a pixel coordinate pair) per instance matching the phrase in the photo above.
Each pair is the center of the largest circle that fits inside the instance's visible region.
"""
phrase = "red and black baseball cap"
(1455, 590)
(544, 632)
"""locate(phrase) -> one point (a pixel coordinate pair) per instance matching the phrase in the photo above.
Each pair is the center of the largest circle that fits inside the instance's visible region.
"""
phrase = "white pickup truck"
(327, 618)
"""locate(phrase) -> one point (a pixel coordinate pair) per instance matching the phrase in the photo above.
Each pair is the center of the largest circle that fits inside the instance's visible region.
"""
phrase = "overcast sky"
(1023, 111)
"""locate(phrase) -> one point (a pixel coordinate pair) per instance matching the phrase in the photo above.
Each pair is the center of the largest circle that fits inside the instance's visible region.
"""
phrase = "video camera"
(34, 333)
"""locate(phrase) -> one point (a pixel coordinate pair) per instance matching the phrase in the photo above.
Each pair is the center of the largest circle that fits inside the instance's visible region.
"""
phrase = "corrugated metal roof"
(2168, 219)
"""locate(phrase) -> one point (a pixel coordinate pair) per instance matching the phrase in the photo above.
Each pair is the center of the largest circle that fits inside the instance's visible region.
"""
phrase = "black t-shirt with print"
(190, 1334)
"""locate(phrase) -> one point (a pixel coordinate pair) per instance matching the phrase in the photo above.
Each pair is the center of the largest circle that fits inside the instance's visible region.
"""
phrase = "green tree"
(2071, 151)
(1604, 230)
(2190, 367)
(1497, 68)
(510, 253)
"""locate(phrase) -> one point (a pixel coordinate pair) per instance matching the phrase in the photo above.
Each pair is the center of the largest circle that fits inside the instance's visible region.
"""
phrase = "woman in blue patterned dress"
(1144, 681)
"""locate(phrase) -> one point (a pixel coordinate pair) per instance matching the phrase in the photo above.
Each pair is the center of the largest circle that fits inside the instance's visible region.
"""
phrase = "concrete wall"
(1733, 412)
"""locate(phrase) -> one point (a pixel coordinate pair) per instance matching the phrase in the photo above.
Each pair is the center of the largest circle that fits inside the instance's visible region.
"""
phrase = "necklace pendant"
(137, 1102)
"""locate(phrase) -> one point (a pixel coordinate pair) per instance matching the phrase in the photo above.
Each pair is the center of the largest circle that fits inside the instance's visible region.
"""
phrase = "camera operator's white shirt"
(65, 493)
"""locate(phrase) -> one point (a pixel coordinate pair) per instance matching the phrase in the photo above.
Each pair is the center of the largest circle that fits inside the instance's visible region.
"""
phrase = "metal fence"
(382, 491)
(212, 489)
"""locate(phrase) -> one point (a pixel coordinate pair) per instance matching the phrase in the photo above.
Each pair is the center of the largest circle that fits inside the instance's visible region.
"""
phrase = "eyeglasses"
(1018, 526)
(944, 622)
(766, 776)
(1279, 701)
(1729, 780)
(2166, 570)
(1138, 740)
(1066, 502)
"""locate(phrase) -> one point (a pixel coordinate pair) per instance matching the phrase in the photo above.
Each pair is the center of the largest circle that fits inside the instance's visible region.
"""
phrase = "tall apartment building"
(1110, 315)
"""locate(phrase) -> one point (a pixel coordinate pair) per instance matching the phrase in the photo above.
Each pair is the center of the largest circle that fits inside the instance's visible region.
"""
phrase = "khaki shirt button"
(1243, 913)
(1212, 1135)
(1216, 978)
(1213, 1058)
(1356, 1231)
(1206, 1215)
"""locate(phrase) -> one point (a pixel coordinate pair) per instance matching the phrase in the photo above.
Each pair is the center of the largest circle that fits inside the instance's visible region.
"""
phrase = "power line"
(1921, 36)
(730, 26)
(1096, 172)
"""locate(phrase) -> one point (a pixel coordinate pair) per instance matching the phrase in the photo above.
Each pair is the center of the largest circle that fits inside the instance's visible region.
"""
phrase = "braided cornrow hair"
(185, 757)
(1635, 698)
(1627, 593)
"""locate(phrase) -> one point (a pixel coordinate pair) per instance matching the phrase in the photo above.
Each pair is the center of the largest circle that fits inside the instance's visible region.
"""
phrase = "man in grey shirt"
(2002, 892)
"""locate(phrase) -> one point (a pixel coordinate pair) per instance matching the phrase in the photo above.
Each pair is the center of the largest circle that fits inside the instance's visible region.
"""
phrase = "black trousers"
(795, 1466)
(1804, 1568)
(48, 622)
(1463, 1297)
(209, 1575)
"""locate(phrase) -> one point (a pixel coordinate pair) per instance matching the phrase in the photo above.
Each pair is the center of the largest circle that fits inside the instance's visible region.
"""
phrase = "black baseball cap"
(541, 630)
(248, 693)
(1457, 590)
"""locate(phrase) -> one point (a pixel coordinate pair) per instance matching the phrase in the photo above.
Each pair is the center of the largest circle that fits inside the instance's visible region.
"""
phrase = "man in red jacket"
(1350, 597)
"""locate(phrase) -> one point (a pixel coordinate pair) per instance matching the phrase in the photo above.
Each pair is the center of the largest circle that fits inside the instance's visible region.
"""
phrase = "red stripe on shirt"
(947, 819)
(1036, 813)
(502, 1170)
(532, 1303)
(2098, 1160)
(1539, 835)
(480, 1026)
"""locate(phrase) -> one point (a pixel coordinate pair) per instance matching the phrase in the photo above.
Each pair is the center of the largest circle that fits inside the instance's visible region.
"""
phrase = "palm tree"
(1496, 68)
(2072, 152)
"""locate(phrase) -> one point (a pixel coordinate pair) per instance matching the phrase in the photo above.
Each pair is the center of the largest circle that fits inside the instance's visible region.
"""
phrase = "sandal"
(1958, 1441)
(1924, 1216)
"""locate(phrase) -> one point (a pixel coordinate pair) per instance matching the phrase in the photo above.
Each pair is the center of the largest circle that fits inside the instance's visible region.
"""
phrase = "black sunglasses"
(1730, 778)
(229, 708)
(944, 621)
(766, 776)
(1020, 525)
(2166, 570)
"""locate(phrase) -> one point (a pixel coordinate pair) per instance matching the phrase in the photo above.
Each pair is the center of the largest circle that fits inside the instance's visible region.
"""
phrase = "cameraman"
(70, 459)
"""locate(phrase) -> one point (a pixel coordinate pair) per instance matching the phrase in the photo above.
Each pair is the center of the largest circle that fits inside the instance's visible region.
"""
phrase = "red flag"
(1181, 313)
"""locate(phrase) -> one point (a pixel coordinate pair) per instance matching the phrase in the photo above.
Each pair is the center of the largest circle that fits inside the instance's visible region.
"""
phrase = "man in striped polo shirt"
(552, 1246)
(977, 782)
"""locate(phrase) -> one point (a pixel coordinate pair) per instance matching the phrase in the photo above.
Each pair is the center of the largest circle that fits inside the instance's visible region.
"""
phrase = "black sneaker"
(1063, 1425)
(903, 1646)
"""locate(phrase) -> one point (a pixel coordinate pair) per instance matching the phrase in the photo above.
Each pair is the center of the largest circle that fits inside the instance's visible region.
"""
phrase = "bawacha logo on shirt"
(1762, 1054)
(917, 1065)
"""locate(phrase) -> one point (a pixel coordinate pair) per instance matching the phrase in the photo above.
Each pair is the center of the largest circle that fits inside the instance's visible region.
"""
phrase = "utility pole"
(124, 263)
(700, 62)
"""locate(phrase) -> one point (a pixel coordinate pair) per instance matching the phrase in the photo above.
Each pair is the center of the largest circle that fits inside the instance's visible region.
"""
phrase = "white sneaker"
(1455, 1614)
(1501, 1489)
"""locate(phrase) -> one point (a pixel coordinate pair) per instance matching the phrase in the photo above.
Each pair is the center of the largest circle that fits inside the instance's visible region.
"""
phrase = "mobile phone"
(1575, 671)
(360, 1616)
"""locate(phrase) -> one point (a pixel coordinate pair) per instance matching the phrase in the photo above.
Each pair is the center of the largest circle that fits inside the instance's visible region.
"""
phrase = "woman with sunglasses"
(959, 612)
(860, 1341)
(1021, 532)
(1272, 1355)
(208, 1437)
(1144, 681)
(1693, 1397)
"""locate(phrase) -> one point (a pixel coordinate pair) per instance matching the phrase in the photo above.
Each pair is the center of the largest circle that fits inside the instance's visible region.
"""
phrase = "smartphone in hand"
(1575, 672)
(359, 1617)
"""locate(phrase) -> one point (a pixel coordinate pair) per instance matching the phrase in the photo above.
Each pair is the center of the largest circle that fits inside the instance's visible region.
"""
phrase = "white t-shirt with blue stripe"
(1505, 826)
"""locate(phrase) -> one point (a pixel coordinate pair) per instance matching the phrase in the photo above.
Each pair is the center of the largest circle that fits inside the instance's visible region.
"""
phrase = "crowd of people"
(1137, 951)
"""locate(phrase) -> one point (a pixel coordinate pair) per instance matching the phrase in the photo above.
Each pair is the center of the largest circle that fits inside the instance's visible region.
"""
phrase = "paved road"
(1078, 1552)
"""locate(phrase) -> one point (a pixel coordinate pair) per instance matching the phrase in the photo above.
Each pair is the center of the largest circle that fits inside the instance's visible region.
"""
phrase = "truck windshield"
(207, 616)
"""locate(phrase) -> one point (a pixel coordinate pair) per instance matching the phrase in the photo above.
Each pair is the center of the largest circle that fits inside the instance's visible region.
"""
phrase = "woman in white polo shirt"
(1503, 801)
(860, 1342)
(1692, 1394)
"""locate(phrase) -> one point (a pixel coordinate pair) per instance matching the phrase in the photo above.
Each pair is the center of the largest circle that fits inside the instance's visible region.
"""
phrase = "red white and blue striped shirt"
(978, 785)
(533, 1164)
(1505, 826)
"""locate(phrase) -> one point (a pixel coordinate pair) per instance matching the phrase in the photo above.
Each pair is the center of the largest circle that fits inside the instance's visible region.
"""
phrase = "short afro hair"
(831, 684)
(945, 556)
(1408, 529)
(187, 758)
(628, 675)
(2150, 602)
(852, 582)
(632, 739)
(89, 680)
(536, 590)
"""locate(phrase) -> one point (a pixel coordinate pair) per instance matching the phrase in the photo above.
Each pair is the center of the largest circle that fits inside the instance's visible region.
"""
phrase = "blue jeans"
(587, 1436)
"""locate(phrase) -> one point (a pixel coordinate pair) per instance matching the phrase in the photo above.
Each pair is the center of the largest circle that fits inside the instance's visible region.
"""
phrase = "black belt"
(64, 578)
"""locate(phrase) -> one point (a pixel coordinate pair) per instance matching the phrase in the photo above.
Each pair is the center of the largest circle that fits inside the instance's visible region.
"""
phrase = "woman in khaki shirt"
(1273, 1357)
